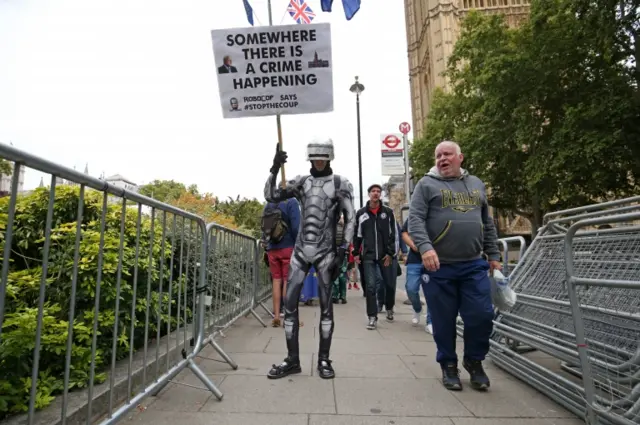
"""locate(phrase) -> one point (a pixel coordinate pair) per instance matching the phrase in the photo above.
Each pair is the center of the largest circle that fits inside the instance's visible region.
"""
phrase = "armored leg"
(298, 269)
(326, 316)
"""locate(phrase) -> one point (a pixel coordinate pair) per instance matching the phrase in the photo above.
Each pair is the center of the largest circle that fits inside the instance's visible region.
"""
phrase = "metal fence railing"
(578, 288)
(508, 264)
(234, 274)
(107, 295)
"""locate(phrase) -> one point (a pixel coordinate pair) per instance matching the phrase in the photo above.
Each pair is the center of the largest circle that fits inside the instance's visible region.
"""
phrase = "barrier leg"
(269, 312)
(223, 354)
(205, 379)
(258, 318)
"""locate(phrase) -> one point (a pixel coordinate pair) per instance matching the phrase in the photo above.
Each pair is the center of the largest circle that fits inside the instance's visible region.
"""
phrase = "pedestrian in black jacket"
(376, 234)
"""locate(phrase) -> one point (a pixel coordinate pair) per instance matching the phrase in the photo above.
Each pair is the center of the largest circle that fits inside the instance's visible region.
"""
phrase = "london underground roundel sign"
(391, 141)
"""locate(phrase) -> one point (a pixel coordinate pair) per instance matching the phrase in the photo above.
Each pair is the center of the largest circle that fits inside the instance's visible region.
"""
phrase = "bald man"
(450, 225)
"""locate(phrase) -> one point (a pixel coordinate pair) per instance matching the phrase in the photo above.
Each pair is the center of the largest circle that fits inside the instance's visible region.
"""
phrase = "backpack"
(274, 227)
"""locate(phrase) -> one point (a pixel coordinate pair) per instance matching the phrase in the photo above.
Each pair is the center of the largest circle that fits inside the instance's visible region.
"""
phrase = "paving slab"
(375, 420)
(387, 376)
(257, 394)
(516, 421)
(206, 418)
(401, 397)
(256, 364)
(368, 365)
(188, 394)
(510, 398)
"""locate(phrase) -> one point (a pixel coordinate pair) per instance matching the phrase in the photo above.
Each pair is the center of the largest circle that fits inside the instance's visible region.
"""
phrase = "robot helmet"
(320, 149)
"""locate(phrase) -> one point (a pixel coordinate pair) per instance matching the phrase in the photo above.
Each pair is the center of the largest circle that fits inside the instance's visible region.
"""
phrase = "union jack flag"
(300, 11)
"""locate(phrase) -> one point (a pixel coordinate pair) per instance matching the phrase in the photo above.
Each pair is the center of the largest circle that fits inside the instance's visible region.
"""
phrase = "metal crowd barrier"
(162, 283)
(235, 279)
(508, 266)
(578, 289)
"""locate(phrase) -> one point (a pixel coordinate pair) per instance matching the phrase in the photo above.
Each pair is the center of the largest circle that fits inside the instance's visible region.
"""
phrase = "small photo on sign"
(235, 107)
(227, 67)
(278, 70)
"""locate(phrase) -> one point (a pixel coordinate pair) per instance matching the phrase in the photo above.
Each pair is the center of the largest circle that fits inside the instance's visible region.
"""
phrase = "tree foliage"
(5, 167)
(22, 298)
(246, 213)
(205, 207)
(241, 214)
(167, 191)
(547, 114)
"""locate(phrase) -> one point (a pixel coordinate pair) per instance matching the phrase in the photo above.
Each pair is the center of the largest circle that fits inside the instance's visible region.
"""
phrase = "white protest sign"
(392, 153)
(283, 69)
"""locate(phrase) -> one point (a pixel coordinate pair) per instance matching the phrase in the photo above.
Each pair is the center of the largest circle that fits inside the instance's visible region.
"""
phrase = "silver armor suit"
(321, 204)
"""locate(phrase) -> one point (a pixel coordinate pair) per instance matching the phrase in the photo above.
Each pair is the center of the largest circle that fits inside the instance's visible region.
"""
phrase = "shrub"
(17, 341)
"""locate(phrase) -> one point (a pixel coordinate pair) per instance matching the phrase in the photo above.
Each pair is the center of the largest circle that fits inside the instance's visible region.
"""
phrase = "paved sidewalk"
(386, 376)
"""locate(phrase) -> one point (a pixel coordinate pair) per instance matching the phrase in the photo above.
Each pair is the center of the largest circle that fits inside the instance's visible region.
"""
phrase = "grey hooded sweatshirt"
(451, 215)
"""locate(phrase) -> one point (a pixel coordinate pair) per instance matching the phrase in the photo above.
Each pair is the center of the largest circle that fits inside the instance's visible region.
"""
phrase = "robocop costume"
(322, 197)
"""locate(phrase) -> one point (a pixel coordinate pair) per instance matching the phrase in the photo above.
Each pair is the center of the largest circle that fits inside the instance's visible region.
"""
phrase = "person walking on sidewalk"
(323, 196)
(280, 223)
(450, 224)
(414, 280)
(352, 270)
(376, 235)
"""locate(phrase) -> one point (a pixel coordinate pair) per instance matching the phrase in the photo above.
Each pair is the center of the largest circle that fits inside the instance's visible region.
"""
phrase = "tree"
(205, 207)
(246, 213)
(166, 190)
(241, 214)
(545, 115)
(5, 167)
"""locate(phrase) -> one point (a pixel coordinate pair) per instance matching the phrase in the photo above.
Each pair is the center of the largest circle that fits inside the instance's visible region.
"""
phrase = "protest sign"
(282, 69)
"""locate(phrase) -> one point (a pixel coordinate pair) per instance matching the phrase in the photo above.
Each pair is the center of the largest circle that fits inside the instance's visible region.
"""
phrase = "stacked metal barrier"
(86, 246)
(578, 289)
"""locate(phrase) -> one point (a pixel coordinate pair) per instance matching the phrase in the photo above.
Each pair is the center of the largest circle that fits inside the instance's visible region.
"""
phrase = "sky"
(130, 88)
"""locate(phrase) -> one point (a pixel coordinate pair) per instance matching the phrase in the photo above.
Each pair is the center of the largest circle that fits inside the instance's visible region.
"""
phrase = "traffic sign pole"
(404, 128)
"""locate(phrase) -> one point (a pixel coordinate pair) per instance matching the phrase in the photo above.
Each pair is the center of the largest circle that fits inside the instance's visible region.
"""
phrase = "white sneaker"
(416, 319)
(428, 328)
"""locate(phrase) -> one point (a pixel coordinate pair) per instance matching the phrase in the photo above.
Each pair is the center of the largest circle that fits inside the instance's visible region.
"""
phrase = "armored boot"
(325, 370)
(288, 367)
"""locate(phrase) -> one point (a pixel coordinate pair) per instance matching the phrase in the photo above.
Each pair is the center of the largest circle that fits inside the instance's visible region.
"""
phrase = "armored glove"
(278, 160)
(337, 264)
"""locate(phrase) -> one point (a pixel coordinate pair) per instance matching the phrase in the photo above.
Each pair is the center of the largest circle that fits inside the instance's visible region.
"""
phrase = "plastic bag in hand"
(502, 295)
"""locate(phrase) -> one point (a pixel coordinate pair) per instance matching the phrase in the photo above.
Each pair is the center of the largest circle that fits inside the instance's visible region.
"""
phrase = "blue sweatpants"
(465, 288)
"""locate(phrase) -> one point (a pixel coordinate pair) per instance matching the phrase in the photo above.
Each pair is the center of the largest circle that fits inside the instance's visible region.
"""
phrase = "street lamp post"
(358, 88)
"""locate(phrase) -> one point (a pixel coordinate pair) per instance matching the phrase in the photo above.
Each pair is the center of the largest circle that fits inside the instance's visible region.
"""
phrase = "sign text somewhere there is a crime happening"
(283, 69)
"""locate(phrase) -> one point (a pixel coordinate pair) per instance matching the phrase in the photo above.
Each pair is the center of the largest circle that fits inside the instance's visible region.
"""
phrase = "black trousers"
(385, 294)
(363, 282)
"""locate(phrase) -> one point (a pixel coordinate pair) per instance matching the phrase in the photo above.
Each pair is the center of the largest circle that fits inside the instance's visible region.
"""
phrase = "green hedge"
(18, 333)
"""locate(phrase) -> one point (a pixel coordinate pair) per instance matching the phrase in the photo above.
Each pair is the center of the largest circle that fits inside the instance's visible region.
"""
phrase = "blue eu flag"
(351, 7)
(249, 10)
